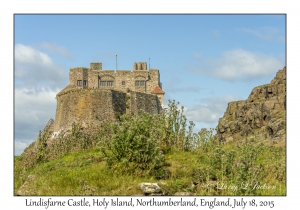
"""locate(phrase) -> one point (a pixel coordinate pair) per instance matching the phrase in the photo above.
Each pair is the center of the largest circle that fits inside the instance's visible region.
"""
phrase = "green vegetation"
(265, 85)
(230, 118)
(280, 115)
(114, 158)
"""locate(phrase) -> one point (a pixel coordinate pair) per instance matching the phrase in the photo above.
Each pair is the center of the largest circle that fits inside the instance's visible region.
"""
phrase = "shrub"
(133, 148)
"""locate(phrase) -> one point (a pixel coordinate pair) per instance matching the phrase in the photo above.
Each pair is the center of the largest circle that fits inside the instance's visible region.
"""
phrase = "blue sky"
(205, 61)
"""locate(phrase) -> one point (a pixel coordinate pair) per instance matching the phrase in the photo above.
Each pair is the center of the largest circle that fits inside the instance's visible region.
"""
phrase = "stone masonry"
(94, 95)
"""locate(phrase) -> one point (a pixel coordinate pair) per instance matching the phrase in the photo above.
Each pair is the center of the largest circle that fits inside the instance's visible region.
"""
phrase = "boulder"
(184, 194)
(150, 188)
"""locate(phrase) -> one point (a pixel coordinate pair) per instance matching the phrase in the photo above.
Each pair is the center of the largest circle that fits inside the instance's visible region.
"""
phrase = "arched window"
(106, 81)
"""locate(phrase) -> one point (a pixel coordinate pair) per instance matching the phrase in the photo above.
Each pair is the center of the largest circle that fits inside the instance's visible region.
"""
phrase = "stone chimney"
(140, 66)
(96, 66)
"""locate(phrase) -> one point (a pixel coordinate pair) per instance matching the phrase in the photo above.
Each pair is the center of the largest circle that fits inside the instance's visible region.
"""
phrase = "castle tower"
(160, 95)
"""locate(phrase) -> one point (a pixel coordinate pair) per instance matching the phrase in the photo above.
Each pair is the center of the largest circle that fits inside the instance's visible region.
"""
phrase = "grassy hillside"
(117, 156)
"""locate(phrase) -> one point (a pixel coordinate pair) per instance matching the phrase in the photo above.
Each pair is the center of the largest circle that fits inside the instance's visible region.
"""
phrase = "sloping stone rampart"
(87, 107)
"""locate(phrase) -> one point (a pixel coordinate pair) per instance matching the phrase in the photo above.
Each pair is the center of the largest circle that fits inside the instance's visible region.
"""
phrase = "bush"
(171, 126)
(133, 147)
(138, 143)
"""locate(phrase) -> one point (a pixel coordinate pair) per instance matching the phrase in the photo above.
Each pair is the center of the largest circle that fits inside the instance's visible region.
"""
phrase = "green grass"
(86, 173)
(117, 157)
(82, 173)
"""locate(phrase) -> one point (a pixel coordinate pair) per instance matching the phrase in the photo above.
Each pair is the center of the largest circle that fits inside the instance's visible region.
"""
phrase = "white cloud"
(19, 147)
(202, 113)
(37, 81)
(239, 64)
(28, 55)
(210, 110)
(34, 68)
(33, 109)
(40, 96)
(265, 33)
(54, 48)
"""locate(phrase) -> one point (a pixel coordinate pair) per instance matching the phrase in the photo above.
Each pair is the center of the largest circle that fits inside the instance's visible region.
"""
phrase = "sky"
(205, 61)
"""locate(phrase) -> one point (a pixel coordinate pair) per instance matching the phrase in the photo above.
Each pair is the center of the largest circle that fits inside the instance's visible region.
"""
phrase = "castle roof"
(157, 89)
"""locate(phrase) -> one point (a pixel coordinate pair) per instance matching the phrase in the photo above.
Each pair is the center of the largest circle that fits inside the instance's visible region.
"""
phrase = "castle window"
(84, 83)
(79, 82)
(123, 82)
(106, 83)
(110, 83)
(139, 83)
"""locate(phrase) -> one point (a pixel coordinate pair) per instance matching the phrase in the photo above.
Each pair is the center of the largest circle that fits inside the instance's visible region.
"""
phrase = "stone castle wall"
(88, 107)
(122, 79)
(144, 101)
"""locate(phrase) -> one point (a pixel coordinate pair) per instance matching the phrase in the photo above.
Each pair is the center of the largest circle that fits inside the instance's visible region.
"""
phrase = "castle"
(94, 95)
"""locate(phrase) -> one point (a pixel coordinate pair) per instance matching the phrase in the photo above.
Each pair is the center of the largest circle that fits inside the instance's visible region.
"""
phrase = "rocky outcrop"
(261, 116)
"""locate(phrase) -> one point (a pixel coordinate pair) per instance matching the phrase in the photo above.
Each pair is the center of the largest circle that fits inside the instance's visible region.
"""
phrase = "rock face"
(261, 116)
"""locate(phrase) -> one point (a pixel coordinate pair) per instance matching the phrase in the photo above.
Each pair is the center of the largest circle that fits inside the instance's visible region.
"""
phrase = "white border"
(8, 8)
